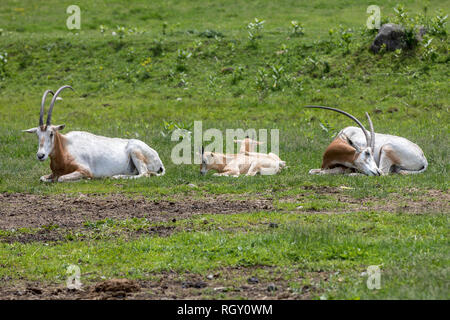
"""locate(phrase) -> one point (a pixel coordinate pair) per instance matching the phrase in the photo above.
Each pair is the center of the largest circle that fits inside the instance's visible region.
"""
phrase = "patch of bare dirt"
(228, 283)
(19, 210)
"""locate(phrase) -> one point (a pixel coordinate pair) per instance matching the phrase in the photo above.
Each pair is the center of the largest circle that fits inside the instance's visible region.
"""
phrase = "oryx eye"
(51, 134)
(367, 153)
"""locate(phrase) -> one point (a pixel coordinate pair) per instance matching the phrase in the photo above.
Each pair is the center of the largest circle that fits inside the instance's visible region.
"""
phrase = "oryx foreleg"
(74, 176)
(47, 178)
(336, 170)
(387, 159)
(229, 173)
(254, 169)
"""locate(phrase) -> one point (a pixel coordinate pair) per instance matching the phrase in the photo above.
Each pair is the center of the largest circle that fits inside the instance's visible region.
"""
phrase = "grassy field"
(179, 62)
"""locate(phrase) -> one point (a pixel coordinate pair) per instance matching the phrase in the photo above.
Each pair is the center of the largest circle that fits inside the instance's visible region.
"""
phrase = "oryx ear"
(258, 142)
(59, 127)
(238, 141)
(31, 130)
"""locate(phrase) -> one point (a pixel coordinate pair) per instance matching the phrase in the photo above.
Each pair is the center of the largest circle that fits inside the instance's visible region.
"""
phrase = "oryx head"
(46, 132)
(204, 164)
(363, 160)
(209, 160)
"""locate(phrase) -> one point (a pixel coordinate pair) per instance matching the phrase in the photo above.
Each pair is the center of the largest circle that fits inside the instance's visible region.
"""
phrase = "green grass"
(128, 87)
(403, 245)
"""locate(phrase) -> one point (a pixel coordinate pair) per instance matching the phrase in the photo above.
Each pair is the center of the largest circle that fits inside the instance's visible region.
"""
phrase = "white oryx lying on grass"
(355, 149)
(234, 165)
(80, 154)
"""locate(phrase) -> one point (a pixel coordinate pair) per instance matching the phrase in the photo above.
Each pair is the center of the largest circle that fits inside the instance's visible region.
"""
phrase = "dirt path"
(235, 283)
(29, 210)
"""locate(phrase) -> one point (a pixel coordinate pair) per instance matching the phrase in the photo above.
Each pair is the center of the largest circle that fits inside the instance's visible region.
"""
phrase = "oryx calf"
(80, 154)
(355, 149)
(237, 164)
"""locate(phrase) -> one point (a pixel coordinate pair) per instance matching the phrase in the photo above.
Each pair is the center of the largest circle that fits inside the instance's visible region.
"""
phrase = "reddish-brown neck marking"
(61, 162)
(339, 152)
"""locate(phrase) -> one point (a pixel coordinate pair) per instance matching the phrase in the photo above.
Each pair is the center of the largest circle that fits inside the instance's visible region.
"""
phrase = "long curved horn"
(41, 114)
(372, 133)
(366, 134)
(52, 103)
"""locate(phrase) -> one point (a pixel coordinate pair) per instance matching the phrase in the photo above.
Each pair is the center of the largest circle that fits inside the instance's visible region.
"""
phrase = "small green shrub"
(297, 28)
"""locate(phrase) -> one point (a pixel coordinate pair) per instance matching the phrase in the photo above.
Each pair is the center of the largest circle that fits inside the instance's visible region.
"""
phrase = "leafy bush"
(437, 24)
(297, 28)
(182, 56)
(237, 75)
(255, 31)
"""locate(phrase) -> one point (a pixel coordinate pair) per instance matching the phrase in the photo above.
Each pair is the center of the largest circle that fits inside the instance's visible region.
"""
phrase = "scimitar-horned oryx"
(370, 153)
(78, 154)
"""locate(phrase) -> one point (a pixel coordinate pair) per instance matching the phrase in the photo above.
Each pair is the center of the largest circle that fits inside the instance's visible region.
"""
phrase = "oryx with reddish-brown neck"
(370, 153)
(78, 154)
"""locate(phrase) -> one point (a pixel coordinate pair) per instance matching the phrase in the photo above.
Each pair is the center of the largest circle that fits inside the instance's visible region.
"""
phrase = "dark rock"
(394, 37)
(390, 34)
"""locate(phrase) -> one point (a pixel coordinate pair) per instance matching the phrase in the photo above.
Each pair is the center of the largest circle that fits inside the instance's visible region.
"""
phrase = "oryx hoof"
(45, 179)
